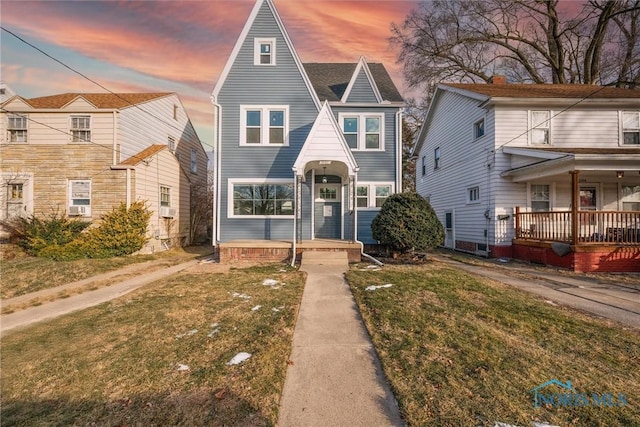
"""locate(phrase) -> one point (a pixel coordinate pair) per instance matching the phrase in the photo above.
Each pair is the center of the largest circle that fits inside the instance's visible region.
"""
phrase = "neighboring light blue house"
(303, 151)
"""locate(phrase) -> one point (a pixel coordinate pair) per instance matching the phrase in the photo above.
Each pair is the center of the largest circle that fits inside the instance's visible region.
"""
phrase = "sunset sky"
(177, 46)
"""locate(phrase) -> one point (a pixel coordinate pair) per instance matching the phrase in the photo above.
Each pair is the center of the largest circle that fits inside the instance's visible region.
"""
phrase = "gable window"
(363, 131)
(540, 126)
(165, 196)
(540, 198)
(478, 129)
(171, 143)
(424, 165)
(80, 197)
(473, 194)
(17, 128)
(194, 161)
(631, 127)
(264, 51)
(373, 195)
(436, 158)
(261, 199)
(264, 125)
(81, 128)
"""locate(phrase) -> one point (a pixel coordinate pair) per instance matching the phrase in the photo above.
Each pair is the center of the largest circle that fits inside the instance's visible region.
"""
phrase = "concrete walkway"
(335, 378)
(81, 301)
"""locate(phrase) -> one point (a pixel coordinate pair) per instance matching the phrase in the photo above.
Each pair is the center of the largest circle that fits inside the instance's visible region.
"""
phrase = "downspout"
(217, 134)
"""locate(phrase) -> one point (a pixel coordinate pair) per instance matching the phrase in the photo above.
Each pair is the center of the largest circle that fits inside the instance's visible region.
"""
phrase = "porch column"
(574, 206)
(351, 188)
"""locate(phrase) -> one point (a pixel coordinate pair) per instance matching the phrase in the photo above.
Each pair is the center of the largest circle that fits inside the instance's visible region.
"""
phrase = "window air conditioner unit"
(78, 210)
(167, 212)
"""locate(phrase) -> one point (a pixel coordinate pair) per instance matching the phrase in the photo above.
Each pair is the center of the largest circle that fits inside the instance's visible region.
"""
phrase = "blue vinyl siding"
(365, 235)
(361, 90)
(348, 215)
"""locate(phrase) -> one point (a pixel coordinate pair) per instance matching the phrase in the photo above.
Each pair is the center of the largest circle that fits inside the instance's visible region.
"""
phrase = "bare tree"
(201, 209)
(534, 41)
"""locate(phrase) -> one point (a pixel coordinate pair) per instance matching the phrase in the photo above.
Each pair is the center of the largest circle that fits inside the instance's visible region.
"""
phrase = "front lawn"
(461, 350)
(159, 355)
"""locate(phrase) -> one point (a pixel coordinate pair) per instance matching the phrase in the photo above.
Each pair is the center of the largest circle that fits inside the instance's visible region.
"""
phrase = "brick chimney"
(498, 80)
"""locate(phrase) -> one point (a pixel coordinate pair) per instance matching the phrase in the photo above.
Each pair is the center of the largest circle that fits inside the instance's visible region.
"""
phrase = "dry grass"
(117, 364)
(465, 351)
(22, 274)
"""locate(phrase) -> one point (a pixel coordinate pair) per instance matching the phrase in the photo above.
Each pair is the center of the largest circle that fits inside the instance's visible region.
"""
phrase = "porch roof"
(548, 162)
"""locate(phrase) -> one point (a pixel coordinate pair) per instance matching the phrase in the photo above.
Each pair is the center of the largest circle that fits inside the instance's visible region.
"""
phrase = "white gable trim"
(241, 40)
(16, 103)
(361, 66)
(343, 155)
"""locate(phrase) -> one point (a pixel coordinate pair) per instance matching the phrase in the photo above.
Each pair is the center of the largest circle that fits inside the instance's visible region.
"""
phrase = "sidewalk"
(59, 307)
(335, 378)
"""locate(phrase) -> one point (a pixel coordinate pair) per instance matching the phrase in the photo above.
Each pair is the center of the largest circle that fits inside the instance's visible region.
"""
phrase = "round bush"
(407, 222)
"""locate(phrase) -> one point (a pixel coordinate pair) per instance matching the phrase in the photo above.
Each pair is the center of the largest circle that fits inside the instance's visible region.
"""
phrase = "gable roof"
(546, 90)
(144, 154)
(330, 80)
(99, 100)
(241, 40)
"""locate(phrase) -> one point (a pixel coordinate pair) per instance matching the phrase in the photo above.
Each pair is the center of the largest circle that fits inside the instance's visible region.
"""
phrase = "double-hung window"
(165, 196)
(630, 197)
(264, 51)
(264, 199)
(473, 195)
(436, 158)
(540, 198)
(17, 128)
(478, 129)
(81, 128)
(372, 195)
(264, 125)
(631, 127)
(363, 131)
(540, 127)
(80, 197)
(171, 143)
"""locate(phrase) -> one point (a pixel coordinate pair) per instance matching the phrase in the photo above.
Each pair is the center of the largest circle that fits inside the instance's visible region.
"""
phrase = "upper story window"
(478, 129)
(436, 158)
(80, 197)
(165, 196)
(171, 143)
(473, 194)
(540, 126)
(194, 160)
(424, 165)
(81, 128)
(264, 51)
(631, 127)
(175, 112)
(363, 131)
(17, 128)
(264, 125)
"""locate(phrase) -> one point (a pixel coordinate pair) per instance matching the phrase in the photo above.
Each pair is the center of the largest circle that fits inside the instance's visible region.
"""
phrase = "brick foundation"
(235, 254)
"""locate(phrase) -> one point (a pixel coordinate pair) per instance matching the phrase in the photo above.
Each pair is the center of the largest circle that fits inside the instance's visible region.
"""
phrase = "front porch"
(282, 250)
(579, 240)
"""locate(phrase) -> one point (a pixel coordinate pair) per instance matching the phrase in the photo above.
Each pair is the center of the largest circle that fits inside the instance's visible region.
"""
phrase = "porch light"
(620, 174)
(324, 175)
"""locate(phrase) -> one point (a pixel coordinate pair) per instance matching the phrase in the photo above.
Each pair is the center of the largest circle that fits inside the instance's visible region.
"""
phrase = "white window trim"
(252, 181)
(552, 194)
(72, 129)
(548, 127)
(362, 138)
(264, 125)
(621, 121)
(256, 51)
(468, 199)
(171, 143)
(371, 194)
(621, 198)
(26, 127)
(70, 197)
(160, 187)
(484, 130)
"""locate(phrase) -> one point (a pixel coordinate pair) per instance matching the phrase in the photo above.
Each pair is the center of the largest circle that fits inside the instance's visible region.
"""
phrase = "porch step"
(311, 257)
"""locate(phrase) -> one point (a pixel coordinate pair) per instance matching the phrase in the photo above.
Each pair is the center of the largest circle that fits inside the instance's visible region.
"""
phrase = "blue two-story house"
(303, 151)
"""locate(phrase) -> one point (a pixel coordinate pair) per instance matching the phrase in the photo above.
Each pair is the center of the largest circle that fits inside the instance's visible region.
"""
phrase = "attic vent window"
(264, 52)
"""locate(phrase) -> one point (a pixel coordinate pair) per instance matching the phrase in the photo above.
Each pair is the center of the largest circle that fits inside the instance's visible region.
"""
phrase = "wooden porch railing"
(611, 227)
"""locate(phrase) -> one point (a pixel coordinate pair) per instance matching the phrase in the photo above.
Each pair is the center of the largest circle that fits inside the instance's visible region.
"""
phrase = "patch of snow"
(239, 358)
(212, 333)
(499, 424)
(504, 260)
(536, 424)
(182, 367)
(270, 282)
(243, 296)
(187, 334)
(215, 325)
(551, 303)
(256, 308)
(277, 309)
(373, 287)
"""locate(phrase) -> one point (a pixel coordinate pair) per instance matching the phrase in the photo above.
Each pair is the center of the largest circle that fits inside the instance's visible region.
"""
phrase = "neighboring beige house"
(81, 154)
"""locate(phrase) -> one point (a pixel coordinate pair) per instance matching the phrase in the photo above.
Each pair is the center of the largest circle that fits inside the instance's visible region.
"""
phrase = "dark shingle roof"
(330, 80)
(546, 90)
(100, 100)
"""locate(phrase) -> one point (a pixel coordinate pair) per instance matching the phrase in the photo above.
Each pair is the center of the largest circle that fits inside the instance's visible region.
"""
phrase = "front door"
(328, 211)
